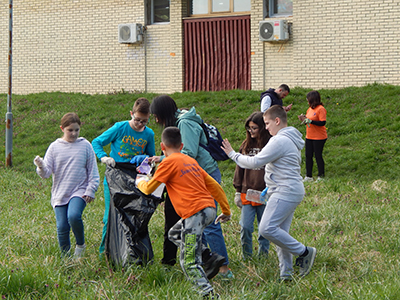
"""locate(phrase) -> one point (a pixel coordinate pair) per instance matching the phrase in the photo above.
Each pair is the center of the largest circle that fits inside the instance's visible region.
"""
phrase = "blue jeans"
(249, 212)
(70, 216)
(212, 235)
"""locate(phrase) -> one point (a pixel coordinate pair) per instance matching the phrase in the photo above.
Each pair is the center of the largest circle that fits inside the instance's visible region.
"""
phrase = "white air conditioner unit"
(129, 33)
(273, 31)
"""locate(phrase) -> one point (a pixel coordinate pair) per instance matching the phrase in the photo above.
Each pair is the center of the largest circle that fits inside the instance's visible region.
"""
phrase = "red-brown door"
(217, 53)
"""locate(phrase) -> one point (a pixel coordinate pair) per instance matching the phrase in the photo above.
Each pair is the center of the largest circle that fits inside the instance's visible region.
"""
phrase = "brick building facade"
(72, 46)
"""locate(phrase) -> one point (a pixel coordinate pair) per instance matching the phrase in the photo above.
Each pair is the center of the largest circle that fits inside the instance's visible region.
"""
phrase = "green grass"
(352, 217)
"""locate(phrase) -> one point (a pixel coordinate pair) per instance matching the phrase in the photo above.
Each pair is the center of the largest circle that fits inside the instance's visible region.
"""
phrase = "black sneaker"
(212, 264)
(211, 296)
(171, 262)
(305, 263)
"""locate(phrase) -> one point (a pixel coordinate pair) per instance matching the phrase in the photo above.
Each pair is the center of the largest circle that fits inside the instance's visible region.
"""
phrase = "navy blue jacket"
(275, 100)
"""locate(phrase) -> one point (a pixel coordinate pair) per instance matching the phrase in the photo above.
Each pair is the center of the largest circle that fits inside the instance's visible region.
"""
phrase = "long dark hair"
(164, 108)
(314, 99)
(263, 134)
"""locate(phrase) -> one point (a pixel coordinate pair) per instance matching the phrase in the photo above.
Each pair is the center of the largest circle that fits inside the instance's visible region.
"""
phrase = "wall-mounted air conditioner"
(273, 31)
(129, 33)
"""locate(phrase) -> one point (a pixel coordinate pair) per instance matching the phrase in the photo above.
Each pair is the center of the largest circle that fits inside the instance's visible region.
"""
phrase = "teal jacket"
(188, 122)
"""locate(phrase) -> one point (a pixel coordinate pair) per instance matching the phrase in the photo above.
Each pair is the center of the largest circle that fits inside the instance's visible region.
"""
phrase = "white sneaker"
(79, 251)
(319, 179)
(308, 179)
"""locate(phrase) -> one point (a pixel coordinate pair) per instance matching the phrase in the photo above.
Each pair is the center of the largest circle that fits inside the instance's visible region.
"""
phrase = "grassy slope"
(351, 217)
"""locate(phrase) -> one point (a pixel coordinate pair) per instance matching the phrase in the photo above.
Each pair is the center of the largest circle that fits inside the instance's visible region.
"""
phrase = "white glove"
(109, 161)
(223, 218)
(237, 200)
(140, 178)
(38, 161)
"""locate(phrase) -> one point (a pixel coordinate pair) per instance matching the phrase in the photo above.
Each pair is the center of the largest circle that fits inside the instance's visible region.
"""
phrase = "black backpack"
(214, 140)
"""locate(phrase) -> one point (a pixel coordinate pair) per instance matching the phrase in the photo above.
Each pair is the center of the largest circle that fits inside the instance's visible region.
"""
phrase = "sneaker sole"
(314, 254)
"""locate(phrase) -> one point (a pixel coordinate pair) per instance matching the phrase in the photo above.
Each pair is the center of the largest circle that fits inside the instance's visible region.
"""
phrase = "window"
(204, 7)
(221, 5)
(241, 5)
(277, 8)
(199, 7)
(157, 11)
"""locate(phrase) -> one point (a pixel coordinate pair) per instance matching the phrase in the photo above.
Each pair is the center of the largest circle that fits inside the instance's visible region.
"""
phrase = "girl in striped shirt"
(72, 163)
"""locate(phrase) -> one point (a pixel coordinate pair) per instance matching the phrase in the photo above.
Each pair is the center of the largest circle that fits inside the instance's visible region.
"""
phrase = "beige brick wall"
(177, 71)
(345, 43)
(72, 46)
(165, 57)
(159, 59)
(257, 47)
(278, 62)
(333, 44)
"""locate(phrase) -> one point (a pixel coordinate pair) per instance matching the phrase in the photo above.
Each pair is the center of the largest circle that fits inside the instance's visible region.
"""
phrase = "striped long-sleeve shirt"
(74, 170)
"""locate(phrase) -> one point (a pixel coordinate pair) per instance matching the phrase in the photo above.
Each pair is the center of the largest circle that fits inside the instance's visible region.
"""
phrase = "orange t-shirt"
(189, 187)
(315, 132)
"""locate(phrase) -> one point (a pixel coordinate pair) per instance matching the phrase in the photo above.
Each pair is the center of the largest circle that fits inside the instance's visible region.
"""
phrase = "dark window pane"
(160, 11)
(283, 7)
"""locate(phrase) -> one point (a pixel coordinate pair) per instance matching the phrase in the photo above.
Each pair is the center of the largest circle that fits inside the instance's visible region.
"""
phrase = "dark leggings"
(169, 248)
(315, 147)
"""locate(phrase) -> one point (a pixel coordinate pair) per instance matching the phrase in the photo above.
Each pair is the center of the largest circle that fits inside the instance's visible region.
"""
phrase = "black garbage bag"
(127, 237)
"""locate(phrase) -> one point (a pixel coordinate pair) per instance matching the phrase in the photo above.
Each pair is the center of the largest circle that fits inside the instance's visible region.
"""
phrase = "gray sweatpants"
(187, 235)
(275, 225)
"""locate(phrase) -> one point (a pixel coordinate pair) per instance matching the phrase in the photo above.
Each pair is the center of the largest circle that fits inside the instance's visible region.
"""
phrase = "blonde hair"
(276, 111)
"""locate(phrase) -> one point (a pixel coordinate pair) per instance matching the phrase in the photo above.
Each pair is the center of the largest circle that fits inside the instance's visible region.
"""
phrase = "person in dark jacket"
(274, 97)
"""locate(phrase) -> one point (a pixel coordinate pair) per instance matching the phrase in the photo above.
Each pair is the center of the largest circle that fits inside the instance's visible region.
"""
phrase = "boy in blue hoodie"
(281, 157)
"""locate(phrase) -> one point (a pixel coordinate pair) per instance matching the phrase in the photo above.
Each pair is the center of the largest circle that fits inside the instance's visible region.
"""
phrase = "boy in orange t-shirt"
(192, 192)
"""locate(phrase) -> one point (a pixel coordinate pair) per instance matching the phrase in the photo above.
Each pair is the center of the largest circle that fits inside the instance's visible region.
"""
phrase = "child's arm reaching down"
(219, 195)
(147, 187)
